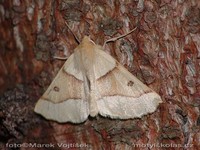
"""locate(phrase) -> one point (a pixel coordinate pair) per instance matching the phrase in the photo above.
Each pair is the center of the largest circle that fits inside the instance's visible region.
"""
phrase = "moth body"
(86, 55)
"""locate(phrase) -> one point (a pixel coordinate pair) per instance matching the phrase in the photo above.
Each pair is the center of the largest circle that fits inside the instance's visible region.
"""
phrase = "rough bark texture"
(164, 53)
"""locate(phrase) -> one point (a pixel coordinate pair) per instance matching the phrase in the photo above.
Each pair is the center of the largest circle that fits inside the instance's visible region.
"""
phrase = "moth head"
(87, 42)
(86, 48)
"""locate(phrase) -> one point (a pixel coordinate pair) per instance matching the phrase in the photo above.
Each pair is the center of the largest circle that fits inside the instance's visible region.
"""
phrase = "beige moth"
(92, 82)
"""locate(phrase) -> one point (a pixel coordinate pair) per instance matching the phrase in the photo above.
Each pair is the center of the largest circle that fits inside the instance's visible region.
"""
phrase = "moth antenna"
(61, 58)
(76, 38)
(119, 37)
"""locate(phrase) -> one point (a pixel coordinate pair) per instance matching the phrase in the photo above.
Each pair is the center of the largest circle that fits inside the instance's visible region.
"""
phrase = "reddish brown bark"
(164, 53)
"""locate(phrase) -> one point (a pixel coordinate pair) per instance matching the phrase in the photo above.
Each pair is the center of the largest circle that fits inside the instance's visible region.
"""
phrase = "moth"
(92, 82)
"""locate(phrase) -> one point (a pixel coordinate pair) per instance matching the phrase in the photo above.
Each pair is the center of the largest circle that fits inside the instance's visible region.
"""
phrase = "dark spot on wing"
(56, 89)
(130, 83)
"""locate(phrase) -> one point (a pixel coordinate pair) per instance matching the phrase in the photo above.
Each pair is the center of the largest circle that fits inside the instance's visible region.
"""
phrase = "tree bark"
(164, 53)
